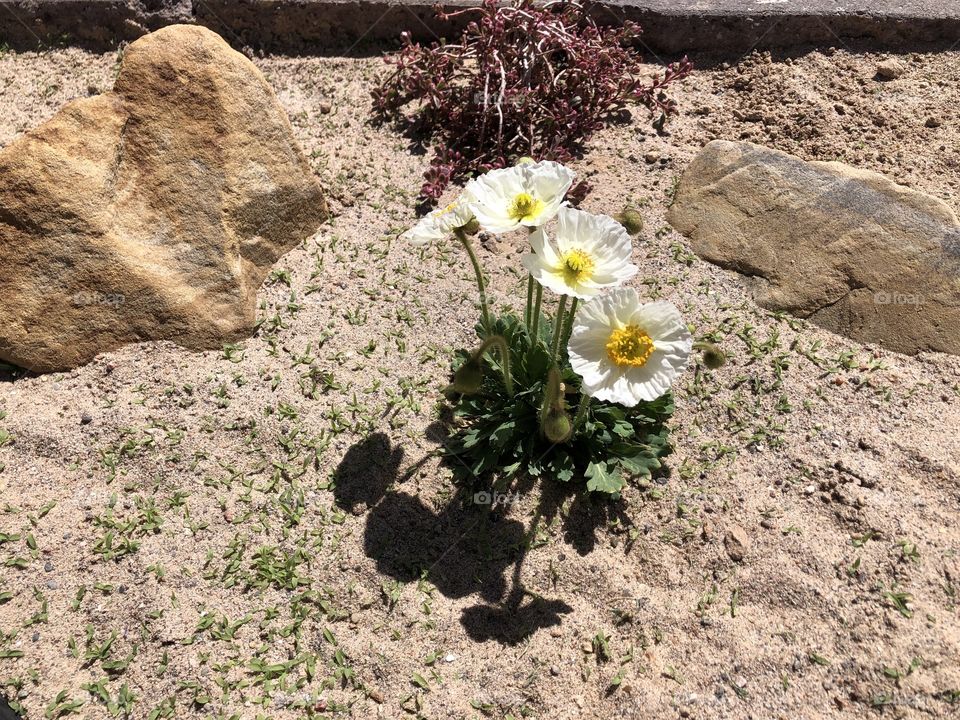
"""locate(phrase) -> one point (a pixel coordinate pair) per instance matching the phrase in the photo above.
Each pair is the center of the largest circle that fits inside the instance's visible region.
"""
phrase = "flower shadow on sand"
(463, 548)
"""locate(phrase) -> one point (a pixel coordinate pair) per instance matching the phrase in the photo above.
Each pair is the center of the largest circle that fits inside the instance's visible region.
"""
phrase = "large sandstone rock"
(151, 212)
(849, 249)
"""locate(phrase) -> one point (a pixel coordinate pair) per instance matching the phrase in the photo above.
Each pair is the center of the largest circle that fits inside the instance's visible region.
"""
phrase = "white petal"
(621, 305)
(491, 195)
(592, 315)
(534, 265)
(656, 376)
(551, 278)
(612, 278)
(588, 345)
(454, 216)
(601, 237)
(548, 180)
(568, 223)
(661, 321)
(424, 232)
(582, 291)
(542, 246)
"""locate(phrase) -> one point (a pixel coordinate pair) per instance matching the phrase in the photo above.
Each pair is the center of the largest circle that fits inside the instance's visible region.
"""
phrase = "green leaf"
(601, 479)
(562, 467)
(511, 469)
(502, 434)
(640, 464)
(536, 363)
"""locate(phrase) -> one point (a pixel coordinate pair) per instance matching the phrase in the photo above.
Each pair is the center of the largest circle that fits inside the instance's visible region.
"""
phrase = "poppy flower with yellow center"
(440, 224)
(627, 351)
(526, 195)
(589, 254)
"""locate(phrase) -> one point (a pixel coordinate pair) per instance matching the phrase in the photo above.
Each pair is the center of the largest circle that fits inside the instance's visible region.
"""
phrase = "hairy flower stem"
(558, 329)
(529, 322)
(581, 411)
(501, 345)
(528, 313)
(536, 313)
(468, 246)
(568, 326)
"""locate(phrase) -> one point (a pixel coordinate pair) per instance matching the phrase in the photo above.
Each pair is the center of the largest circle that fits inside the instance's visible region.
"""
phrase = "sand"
(268, 532)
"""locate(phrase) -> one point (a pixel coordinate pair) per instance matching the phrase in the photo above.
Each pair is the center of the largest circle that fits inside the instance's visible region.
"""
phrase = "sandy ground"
(266, 532)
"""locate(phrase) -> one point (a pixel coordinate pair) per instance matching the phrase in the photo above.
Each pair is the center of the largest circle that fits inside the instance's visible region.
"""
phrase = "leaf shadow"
(463, 546)
(7, 712)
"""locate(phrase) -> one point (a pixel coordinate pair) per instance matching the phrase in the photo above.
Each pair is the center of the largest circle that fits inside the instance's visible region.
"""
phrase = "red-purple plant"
(524, 80)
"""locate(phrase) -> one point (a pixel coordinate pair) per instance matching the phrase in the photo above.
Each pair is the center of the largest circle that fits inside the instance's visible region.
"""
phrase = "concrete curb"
(293, 26)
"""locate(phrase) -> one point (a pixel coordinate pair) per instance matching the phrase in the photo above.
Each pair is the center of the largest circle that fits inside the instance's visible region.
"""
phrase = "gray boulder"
(849, 249)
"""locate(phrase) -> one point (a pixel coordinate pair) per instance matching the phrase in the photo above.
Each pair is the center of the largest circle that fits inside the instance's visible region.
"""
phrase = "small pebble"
(737, 543)
(890, 69)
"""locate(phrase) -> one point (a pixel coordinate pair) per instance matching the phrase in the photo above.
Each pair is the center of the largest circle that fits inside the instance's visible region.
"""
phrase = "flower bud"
(713, 357)
(468, 377)
(631, 219)
(554, 422)
(557, 426)
(526, 160)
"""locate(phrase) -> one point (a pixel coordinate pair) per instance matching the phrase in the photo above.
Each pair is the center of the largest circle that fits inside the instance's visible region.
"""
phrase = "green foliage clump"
(499, 434)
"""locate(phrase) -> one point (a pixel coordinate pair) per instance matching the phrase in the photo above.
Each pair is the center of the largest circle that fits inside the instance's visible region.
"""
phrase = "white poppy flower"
(441, 223)
(592, 253)
(528, 195)
(626, 351)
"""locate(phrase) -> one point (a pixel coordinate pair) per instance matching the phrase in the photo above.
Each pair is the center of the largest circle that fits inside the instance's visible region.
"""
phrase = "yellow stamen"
(447, 209)
(525, 207)
(577, 266)
(629, 347)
